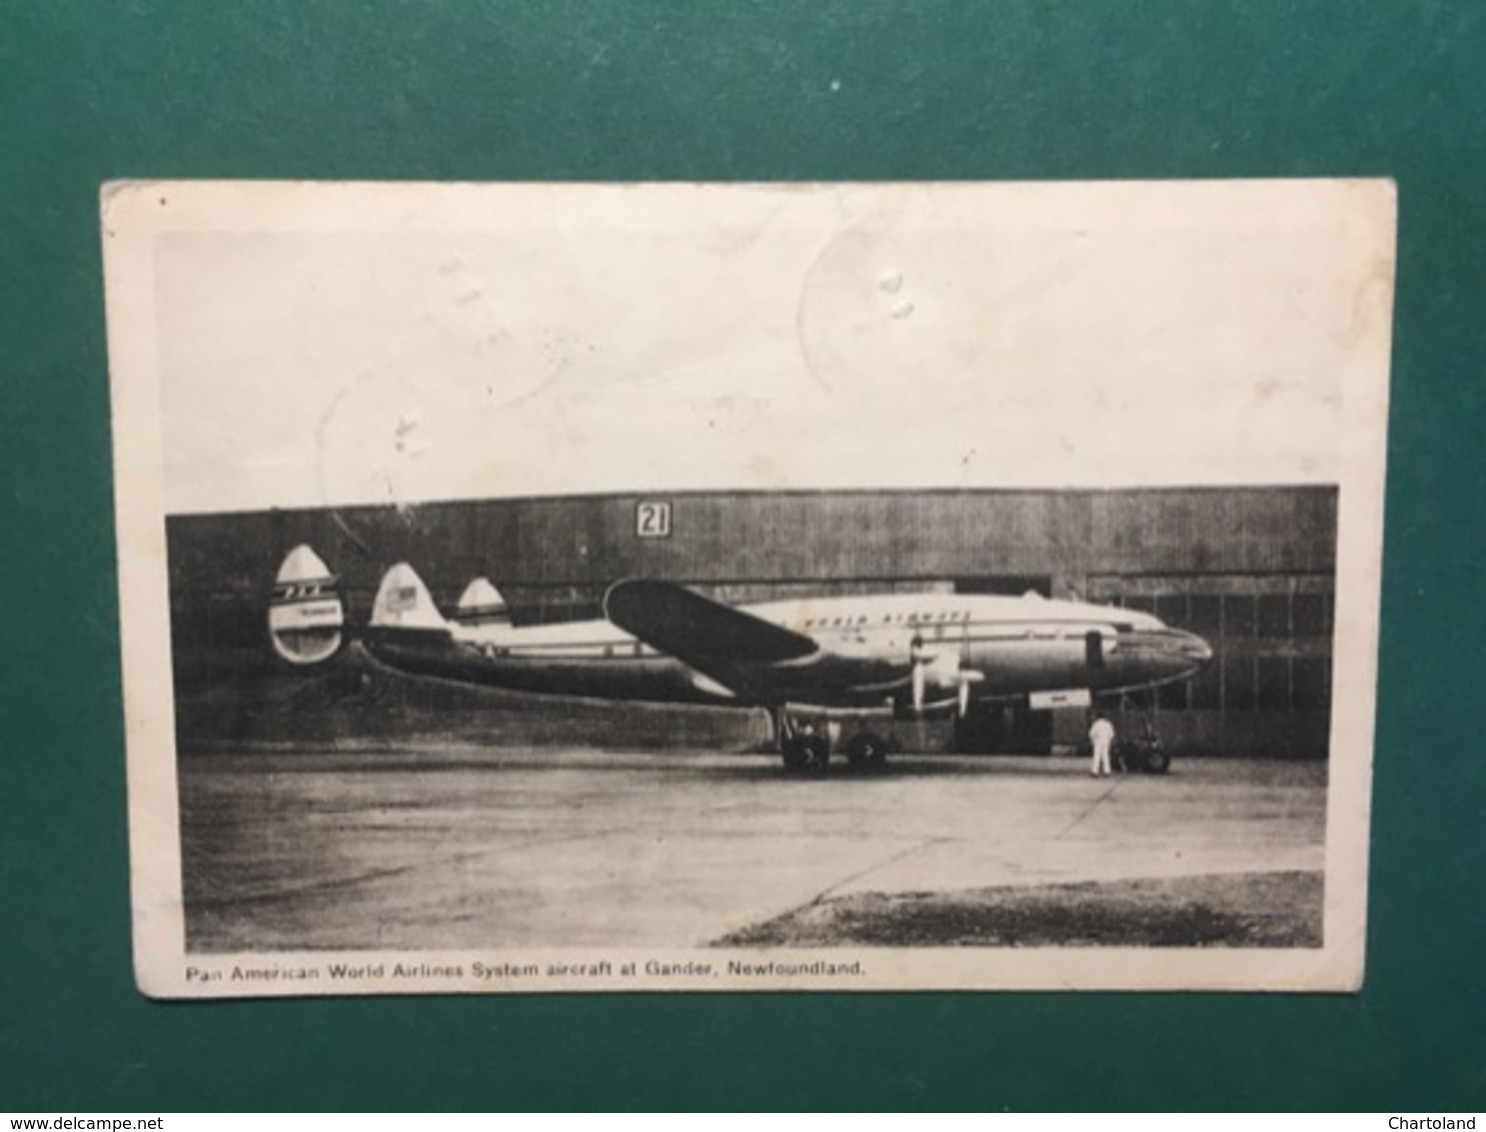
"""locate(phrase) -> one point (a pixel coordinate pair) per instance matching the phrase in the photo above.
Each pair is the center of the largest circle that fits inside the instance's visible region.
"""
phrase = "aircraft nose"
(1194, 648)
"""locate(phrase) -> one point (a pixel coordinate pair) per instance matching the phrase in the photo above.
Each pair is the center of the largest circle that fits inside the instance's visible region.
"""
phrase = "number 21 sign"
(653, 520)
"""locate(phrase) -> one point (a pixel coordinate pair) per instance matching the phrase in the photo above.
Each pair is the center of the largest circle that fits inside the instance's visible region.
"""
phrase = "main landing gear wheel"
(806, 753)
(793, 752)
(866, 751)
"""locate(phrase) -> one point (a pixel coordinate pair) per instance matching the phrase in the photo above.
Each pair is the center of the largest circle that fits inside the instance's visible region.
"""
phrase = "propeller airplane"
(825, 657)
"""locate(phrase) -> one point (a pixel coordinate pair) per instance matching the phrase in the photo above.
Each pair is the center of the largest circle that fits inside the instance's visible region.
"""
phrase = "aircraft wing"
(734, 648)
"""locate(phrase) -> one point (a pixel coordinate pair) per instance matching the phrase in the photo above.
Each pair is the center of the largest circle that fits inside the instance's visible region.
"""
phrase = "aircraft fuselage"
(867, 649)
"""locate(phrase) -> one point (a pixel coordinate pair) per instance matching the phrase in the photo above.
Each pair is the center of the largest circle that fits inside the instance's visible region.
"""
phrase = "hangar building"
(1252, 570)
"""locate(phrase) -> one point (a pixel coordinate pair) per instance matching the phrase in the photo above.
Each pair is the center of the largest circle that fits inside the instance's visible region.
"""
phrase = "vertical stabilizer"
(306, 618)
(403, 602)
(482, 604)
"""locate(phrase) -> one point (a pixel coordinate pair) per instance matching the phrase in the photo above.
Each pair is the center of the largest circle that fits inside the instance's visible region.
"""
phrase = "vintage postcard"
(552, 587)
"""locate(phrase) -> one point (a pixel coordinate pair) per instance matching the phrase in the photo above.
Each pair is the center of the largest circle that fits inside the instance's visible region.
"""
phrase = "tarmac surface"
(464, 847)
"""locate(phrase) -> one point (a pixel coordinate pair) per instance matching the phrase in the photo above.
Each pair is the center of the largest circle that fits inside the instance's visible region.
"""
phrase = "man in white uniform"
(1101, 737)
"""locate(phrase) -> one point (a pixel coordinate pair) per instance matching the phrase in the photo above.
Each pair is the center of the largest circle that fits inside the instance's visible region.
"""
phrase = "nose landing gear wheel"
(1143, 756)
(1157, 761)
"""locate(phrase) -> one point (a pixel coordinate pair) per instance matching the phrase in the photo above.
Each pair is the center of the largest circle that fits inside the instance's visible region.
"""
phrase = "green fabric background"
(524, 90)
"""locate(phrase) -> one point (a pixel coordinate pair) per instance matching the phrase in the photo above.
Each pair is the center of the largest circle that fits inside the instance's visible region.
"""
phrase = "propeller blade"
(964, 703)
(920, 678)
(1094, 650)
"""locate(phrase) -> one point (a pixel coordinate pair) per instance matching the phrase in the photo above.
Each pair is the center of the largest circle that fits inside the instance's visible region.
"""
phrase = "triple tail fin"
(482, 604)
(403, 602)
(306, 617)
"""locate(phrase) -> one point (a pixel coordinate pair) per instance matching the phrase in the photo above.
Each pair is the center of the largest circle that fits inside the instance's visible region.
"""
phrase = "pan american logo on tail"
(306, 617)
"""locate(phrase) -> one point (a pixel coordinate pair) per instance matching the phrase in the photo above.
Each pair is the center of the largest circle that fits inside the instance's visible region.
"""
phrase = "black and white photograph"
(817, 587)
